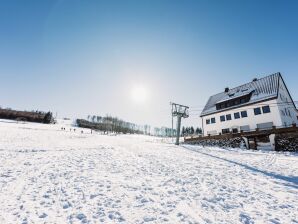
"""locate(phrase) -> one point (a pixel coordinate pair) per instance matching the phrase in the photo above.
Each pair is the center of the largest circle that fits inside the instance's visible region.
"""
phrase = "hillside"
(48, 175)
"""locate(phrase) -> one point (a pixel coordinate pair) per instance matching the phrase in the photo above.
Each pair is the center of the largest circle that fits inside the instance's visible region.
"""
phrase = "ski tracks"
(74, 178)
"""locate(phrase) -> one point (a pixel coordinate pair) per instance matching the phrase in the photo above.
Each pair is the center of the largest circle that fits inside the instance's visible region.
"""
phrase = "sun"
(139, 94)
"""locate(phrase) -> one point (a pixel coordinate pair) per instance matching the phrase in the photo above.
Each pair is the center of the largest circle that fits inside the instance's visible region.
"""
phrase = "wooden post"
(255, 143)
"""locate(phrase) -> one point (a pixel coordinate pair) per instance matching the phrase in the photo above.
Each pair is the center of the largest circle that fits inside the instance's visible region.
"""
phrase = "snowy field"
(52, 176)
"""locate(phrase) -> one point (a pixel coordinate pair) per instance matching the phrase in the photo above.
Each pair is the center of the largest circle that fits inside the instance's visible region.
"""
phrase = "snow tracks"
(51, 176)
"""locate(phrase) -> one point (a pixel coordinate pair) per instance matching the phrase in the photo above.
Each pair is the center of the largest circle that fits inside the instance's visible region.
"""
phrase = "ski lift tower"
(179, 111)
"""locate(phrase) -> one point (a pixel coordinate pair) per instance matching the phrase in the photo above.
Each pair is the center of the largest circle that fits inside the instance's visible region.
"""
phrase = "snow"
(48, 175)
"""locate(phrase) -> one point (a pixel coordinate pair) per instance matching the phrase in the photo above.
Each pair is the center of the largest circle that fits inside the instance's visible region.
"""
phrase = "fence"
(250, 133)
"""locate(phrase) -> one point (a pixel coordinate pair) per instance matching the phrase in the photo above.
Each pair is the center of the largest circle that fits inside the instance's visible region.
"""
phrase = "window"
(235, 130)
(229, 117)
(208, 121)
(243, 113)
(213, 132)
(267, 125)
(242, 101)
(282, 112)
(266, 109)
(288, 113)
(245, 128)
(233, 102)
(257, 111)
(212, 120)
(225, 130)
(236, 115)
(222, 118)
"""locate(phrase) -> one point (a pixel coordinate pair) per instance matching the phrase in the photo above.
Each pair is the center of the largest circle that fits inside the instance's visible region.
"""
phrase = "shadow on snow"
(292, 180)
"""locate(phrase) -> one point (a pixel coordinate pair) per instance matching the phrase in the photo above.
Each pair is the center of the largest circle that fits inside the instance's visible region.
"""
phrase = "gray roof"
(261, 89)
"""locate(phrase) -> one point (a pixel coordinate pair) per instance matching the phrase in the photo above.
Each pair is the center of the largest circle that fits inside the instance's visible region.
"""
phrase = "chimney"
(227, 89)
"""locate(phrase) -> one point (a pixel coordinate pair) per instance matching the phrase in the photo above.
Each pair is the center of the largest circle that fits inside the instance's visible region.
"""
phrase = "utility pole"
(172, 130)
(179, 111)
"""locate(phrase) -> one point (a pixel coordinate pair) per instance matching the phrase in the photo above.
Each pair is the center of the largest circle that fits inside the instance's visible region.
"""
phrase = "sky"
(132, 58)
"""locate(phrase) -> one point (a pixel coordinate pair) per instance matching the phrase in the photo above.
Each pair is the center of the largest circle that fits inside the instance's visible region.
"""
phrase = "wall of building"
(252, 120)
(287, 110)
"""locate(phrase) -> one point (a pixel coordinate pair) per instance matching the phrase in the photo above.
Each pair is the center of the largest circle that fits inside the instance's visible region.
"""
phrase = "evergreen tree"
(192, 131)
(183, 131)
(48, 118)
(198, 131)
(187, 131)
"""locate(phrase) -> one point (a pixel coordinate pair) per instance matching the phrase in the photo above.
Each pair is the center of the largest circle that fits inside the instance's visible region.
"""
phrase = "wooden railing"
(252, 133)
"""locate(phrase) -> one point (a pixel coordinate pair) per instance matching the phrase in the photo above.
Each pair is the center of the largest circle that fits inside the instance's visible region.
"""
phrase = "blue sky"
(80, 57)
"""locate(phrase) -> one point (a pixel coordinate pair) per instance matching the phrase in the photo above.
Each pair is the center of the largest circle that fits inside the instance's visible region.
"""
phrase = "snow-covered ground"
(52, 176)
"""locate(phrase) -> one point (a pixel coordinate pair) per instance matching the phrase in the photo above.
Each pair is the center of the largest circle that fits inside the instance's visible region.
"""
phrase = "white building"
(262, 103)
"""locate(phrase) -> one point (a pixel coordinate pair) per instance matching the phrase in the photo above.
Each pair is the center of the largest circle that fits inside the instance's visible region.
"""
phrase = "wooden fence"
(250, 134)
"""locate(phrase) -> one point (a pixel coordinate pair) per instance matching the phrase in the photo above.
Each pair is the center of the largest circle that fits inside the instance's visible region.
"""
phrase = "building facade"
(262, 103)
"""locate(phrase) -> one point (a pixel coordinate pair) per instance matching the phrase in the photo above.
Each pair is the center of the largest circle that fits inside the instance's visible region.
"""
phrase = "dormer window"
(234, 101)
(243, 100)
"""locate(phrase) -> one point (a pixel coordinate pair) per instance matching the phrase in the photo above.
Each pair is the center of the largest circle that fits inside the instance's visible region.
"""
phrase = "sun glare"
(139, 94)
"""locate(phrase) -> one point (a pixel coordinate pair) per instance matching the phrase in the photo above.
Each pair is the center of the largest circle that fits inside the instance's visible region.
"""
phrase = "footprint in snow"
(114, 215)
(82, 217)
(43, 215)
(245, 219)
(149, 219)
(66, 205)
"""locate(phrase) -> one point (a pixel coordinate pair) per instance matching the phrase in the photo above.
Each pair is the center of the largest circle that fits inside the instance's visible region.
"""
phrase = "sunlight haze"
(79, 58)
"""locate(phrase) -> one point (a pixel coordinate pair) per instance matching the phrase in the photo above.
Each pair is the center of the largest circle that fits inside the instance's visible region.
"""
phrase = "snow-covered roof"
(260, 89)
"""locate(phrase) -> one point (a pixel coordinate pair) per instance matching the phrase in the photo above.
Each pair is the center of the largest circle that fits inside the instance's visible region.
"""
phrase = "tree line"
(164, 132)
(110, 124)
(190, 131)
(32, 116)
(168, 132)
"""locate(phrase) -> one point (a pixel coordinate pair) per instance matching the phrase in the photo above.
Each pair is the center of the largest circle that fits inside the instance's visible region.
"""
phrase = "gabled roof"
(260, 90)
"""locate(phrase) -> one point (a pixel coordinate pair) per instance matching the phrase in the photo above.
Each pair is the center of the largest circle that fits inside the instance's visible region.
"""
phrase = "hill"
(49, 175)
